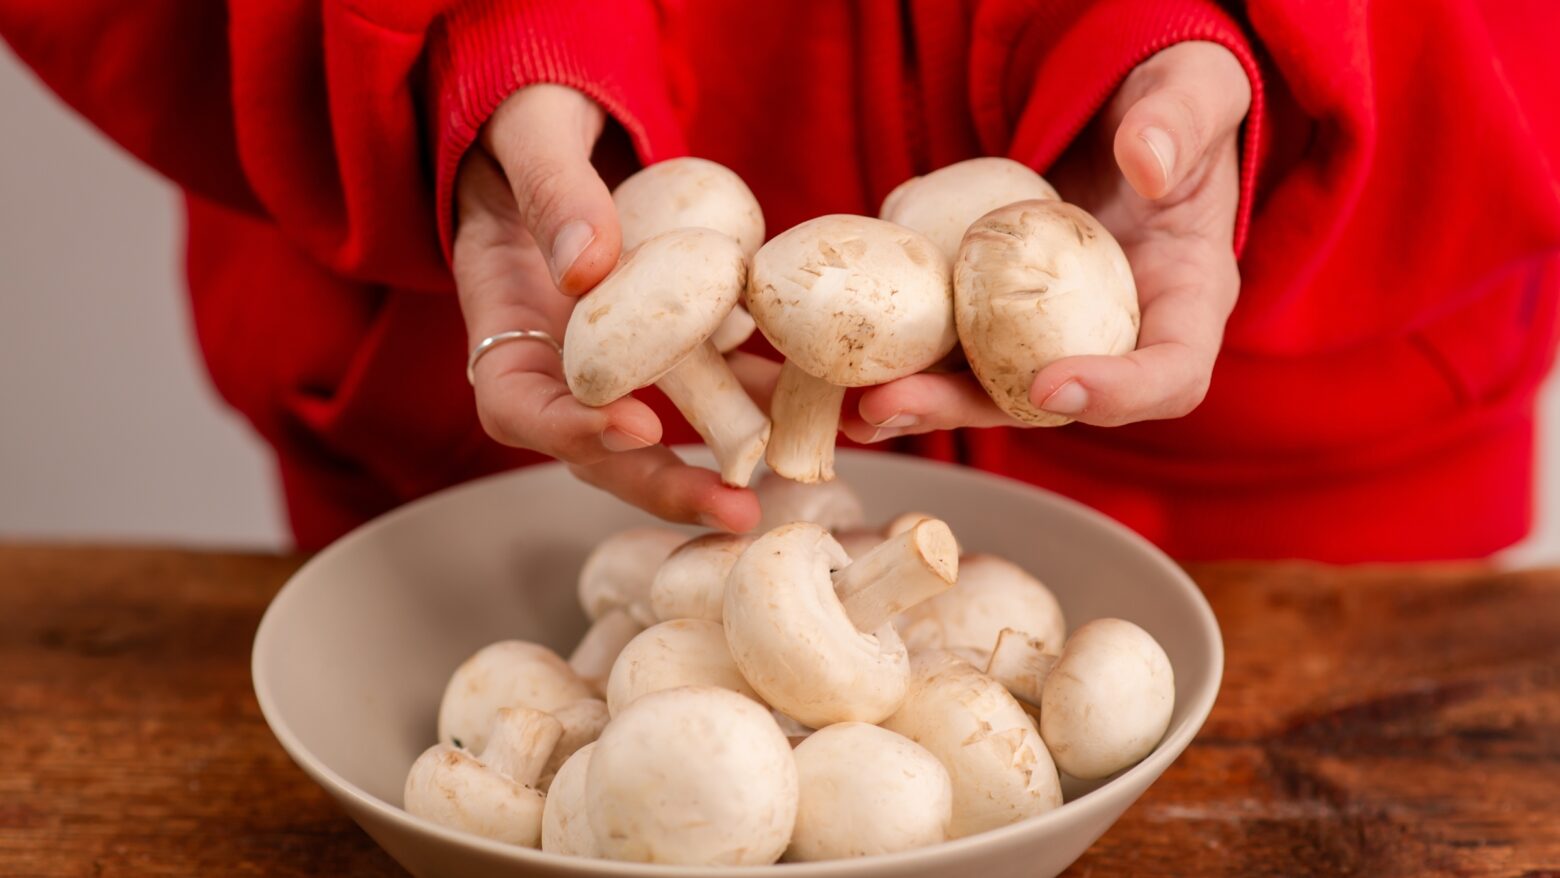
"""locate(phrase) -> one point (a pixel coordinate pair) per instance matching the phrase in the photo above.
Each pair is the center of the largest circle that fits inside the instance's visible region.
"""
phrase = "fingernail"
(1069, 399)
(709, 520)
(571, 242)
(1163, 148)
(885, 433)
(898, 420)
(615, 439)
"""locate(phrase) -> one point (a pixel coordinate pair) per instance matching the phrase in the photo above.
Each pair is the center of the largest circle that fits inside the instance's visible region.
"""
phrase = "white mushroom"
(831, 505)
(686, 193)
(992, 594)
(866, 790)
(692, 776)
(582, 723)
(650, 321)
(691, 584)
(850, 301)
(510, 673)
(1105, 702)
(944, 203)
(1035, 282)
(810, 630)
(614, 591)
(493, 795)
(565, 823)
(1000, 768)
(682, 652)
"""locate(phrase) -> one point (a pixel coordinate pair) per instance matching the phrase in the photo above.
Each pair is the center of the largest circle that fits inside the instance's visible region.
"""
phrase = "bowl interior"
(351, 659)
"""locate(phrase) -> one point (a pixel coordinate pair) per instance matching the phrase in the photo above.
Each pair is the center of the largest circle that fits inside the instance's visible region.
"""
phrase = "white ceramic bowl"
(352, 656)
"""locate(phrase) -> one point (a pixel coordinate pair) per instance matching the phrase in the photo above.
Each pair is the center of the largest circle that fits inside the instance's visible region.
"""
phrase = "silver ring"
(493, 341)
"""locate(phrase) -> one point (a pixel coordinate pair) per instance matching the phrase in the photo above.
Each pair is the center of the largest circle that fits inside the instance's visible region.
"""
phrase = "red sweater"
(1399, 222)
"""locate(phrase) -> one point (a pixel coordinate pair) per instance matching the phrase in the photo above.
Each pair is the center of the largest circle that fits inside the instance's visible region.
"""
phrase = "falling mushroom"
(810, 630)
(850, 301)
(866, 790)
(1034, 282)
(692, 776)
(493, 795)
(650, 321)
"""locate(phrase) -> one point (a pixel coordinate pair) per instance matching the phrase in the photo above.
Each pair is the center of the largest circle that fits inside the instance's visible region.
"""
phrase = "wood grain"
(1389, 722)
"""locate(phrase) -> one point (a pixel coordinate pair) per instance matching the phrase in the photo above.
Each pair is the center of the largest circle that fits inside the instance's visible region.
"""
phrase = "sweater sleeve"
(1065, 61)
(315, 115)
(484, 50)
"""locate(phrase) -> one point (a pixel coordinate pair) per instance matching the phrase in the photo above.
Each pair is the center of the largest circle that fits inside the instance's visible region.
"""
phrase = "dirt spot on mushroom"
(599, 313)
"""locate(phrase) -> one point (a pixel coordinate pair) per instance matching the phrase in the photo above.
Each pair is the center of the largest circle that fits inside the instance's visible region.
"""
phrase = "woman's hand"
(1159, 169)
(537, 228)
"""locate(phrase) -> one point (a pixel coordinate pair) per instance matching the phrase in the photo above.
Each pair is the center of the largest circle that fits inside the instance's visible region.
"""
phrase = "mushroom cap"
(681, 652)
(510, 673)
(691, 583)
(666, 297)
(488, 795)
(993, 593)
(1035, 282)
(943, 204)
(618, 572)
(696, 775)
(832, 505)
(565, 823)
(582, 723)
(1000, 768)
(866, 790)
(792, 640)
(686, 193)
(852, 300)
(1108, 700)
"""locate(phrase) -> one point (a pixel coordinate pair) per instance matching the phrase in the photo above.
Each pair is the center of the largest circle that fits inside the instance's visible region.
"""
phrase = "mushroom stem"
(522, 740)
(903, 571)
(592, 659)
(704, 389)
(1021, 663)
(807, 416)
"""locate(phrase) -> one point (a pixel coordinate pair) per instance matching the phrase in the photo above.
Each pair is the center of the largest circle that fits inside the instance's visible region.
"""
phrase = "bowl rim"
(1167, 751)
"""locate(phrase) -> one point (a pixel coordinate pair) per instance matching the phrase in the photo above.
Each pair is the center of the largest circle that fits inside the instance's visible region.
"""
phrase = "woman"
(374, 188)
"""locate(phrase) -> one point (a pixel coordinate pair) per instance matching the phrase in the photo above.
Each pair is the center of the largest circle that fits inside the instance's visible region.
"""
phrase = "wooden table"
(1392, 722)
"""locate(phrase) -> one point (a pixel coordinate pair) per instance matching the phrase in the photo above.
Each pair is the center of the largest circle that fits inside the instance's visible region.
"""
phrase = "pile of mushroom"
(774, 696)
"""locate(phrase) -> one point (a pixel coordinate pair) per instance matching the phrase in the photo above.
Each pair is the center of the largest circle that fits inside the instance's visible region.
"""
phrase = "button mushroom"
(1001, 770)
(831, 505)
(493, 795)
(696, 775)
(1034, 282)
(582, 723)
(1105, 702)
(850, 301)
(686, 193)
(691, 584)
(810, 630)
(565, 823)
(866, 790)
(614, 591)
(992, 594)
(650, 321)
(510, 673)
(944, 203)
(682, 652)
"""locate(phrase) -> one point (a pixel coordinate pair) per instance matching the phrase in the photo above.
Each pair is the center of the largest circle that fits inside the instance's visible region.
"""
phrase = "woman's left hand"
(1159, 168)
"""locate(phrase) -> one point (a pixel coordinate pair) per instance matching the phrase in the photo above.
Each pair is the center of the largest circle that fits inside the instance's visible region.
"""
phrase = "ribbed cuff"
(1083, 57)
(482, 51)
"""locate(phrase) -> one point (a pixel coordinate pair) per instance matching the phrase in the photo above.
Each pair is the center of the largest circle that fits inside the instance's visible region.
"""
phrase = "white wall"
(108, 427)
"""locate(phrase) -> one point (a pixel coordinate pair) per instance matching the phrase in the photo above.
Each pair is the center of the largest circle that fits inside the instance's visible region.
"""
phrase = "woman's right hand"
(536, 229)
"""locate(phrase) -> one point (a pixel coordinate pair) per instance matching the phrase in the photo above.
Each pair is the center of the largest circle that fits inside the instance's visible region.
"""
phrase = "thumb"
(542, 136)
(1185, 102)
